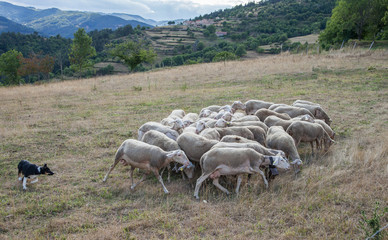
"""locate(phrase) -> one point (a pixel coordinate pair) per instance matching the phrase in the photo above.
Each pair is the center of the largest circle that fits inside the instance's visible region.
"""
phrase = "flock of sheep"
(233, 139)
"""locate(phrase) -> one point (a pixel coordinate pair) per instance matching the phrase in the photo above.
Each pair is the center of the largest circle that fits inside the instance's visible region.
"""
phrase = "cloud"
(154, 9)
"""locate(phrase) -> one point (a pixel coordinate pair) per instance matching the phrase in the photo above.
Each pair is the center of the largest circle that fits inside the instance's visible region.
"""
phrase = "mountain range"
(53, 21)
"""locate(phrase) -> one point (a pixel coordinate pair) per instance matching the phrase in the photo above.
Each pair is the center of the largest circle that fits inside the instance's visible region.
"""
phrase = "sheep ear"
(171, 154)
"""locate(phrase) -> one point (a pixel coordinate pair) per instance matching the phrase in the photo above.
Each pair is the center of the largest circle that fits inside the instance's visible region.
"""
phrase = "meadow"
(76, 127)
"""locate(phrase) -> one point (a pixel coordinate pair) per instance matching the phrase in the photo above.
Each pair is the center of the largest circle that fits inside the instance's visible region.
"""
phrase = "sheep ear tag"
(275, 160)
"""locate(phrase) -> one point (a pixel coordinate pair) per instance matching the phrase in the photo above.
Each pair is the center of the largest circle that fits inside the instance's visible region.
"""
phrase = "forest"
(248, 28)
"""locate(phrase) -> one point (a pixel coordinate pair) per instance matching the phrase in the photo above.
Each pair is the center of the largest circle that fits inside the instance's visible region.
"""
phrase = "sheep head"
(179, 156)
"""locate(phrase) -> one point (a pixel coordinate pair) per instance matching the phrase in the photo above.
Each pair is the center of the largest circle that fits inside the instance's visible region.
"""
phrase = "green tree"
(81, 50)
(133, 53)
(9, 64)
(361, 19)
(224, 56)
(240, 50)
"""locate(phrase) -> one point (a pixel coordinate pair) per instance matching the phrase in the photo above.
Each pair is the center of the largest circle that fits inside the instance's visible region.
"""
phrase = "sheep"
(208, 110)
(256, 128)
(293, 111)
(272, 107)
(264, 150)
(276, 121)
(177, 113)
(253, 105)
(236, 139)
(190, 118)
(262, 114)
(222, 123)
(278, 139)
(167, 144)
(205, 113)
(150, 158)
(239, 131)
(238, 115)
(159, 139)
(238, 105)
(253, 145)
(194, 145)
(169, 132)
(316, 110)
(304, 102)
(246, 118)
(200, 126)
(211, 133)
(235, 161)
(176, 124)
(302, 131)
(305, 117)
(327, 128)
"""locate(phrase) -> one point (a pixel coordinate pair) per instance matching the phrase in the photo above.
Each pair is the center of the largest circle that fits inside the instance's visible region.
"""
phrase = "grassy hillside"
(76, 127)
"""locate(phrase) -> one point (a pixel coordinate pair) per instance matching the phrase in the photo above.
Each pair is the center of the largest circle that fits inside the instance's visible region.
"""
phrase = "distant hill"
(53, 21)
(272, 20)
(7, 25)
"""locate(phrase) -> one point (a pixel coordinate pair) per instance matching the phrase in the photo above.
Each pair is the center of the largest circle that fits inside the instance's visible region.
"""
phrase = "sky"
(149, 9)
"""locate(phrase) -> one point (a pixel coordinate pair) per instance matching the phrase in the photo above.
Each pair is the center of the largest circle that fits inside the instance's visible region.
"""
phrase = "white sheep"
(273, 106)
(246, 118)
(194, 145)
(253, 105)
(263, 113)
(293, 111)
(302, 131)
(150, 158)
(235, 161)
(278, 139)
(211, 133)
(167, 144)
(171, 132)
(315, 109)
(327, 128)
(190, 118)
(222, 124)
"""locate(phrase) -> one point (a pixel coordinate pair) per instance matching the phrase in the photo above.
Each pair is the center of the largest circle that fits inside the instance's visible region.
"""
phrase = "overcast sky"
(154, 9)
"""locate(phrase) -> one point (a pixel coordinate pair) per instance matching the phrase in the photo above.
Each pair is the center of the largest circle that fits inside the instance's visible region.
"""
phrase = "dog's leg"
(35, 180)
(24, 183)
(20, 174)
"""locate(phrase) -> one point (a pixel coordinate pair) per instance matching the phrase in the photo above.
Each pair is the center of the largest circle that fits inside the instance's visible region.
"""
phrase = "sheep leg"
(217, 184)
(110, 169)
(312, 147)
(264, 179)
(239, 180)
(199, 183)
(168, 172)
(131, 174)
(141, 180)
(156, 173)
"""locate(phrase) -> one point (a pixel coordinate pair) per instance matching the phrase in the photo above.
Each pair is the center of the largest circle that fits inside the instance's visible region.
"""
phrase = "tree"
(9, 64)
(240, 51)
(133, 53)
(224, 56)
(81, 50)
(361, 19)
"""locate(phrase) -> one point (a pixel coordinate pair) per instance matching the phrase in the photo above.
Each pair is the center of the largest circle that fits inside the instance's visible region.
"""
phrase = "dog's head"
(46, 170)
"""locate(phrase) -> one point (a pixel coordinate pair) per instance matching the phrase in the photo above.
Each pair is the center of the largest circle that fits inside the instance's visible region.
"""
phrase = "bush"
(105, 70)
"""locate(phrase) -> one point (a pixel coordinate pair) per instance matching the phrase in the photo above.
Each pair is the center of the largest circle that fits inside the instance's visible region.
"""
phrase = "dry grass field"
(76, 127)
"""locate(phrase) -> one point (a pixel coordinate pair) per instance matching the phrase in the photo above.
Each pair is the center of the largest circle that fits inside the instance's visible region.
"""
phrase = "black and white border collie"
(28, 170)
